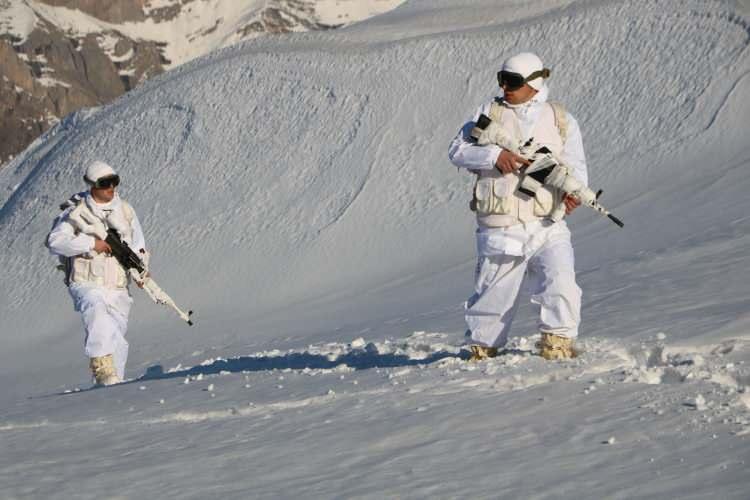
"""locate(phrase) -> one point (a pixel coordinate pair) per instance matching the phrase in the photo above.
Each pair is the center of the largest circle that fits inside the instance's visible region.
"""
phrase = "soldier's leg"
(99, 326)
(119, 310)
(554, 289)
(104, 314)
(489, 312)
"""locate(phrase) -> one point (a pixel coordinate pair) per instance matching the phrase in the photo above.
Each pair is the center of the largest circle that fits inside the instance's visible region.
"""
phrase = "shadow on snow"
(358, 360)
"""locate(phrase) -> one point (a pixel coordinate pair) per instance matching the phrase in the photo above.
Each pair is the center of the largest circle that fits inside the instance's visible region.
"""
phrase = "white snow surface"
(17, 19)
(295, 192)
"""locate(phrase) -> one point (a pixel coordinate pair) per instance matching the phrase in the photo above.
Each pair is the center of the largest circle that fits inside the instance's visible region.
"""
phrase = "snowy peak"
(185, 28)
(62, 55)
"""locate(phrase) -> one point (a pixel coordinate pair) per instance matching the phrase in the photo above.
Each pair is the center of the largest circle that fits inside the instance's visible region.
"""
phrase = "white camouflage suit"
(104, 303)
(538, 252)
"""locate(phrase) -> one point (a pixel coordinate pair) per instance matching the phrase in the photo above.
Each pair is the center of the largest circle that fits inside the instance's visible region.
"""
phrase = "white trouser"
(550, 275)
(105, 319)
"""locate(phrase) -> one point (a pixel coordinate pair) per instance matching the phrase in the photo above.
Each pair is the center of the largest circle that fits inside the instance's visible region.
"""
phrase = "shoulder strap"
(66, 207)
(72, 201)
(128, 211)
(496, 110)
(561, 119)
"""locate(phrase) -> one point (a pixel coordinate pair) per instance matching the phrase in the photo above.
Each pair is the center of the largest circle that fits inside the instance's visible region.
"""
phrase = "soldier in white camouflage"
(518, 239)
(97, 282)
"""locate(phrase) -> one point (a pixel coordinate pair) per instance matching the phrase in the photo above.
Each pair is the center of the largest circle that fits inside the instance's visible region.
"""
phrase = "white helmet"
(98, 170)
(529, 66)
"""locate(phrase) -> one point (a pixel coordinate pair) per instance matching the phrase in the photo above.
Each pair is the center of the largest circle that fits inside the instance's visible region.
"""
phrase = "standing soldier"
(97, 282)
(516, 236)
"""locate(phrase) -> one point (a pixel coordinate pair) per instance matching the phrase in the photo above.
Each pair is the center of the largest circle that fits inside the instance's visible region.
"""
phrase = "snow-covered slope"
(59, 56)
(296, 194)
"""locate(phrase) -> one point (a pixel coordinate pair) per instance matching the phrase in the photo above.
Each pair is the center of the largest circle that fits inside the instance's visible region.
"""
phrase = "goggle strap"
(544, 73)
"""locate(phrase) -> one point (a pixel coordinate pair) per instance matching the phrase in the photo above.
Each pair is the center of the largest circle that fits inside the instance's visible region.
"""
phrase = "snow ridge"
(295, 193)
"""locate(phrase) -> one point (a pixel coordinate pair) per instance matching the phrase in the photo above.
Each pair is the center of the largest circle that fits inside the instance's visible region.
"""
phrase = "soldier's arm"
(465, 153)
(573, 155)
(64, 241)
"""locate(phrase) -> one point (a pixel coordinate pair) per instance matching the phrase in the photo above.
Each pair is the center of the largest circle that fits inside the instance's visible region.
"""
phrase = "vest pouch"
(503, 200)
(81, 270)
(115, 274)
(483, 195)
(98, 270)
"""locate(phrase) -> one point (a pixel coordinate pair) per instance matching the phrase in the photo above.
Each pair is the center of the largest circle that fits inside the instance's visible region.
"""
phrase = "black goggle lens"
(511, 81)
(108, 182)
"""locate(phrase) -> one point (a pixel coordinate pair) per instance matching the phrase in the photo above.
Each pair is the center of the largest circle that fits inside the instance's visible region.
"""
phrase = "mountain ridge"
(62, 55)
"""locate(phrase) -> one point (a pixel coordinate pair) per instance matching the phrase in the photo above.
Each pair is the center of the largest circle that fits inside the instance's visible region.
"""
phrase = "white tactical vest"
(102, 269)
(497, 201)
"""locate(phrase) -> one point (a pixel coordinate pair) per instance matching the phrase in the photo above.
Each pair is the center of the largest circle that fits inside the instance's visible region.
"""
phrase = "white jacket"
(521, 239)
(84, 264)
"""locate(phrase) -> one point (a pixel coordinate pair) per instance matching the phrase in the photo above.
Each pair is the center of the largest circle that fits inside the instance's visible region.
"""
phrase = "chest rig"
(99, 269)
(497, 201)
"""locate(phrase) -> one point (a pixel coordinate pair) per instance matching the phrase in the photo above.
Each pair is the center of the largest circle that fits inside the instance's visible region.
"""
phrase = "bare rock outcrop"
(50, 74)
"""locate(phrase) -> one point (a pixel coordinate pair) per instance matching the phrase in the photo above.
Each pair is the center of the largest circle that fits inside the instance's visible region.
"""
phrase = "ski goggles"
(514, 81)
(107, 182)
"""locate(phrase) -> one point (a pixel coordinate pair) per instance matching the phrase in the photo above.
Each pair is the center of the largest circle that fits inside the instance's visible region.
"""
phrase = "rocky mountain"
(57, 56)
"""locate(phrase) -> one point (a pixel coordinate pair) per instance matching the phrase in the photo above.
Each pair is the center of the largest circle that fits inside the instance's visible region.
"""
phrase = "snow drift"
(297, 190)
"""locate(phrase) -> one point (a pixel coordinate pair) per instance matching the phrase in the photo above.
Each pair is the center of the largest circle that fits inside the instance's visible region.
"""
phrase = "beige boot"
(103, 369)
(480, 353)
(556, 347)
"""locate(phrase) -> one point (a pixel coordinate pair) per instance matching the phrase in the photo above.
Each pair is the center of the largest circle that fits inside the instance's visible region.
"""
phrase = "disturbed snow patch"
(711, 381)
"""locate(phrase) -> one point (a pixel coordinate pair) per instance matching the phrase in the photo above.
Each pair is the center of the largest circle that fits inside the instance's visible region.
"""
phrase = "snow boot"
(480, 353)
(556, 347)
(103, 369)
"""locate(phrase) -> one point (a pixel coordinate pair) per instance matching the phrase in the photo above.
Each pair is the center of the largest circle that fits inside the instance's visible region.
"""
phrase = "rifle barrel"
(615, 220)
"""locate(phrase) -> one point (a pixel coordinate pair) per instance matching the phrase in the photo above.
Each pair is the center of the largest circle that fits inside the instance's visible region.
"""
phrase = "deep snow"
(296, 193)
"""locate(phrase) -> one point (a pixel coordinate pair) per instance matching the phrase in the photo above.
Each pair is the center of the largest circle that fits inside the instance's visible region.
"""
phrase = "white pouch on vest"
(501, 190)
(483, 194)
(492, 196)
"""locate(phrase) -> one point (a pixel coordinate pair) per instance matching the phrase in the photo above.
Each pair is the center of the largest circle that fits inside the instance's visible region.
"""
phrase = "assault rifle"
(139, 272)
(134, 264)
(544, 170)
